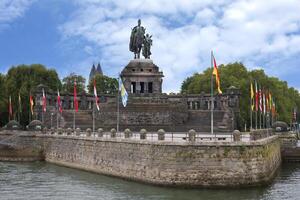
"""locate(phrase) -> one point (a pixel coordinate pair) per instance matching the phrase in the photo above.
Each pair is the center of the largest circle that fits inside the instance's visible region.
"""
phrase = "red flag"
(256, 97)
(59, 106)
(31, 104)
(96, 97)
(260, 100)
(10, 108)
(75, 98)
(44, 101)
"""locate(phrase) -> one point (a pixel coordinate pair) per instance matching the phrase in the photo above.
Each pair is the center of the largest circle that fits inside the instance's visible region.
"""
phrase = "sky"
(71, 35)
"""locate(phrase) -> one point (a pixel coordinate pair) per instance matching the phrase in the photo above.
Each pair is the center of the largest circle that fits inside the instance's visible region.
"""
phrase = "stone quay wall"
(185, 164)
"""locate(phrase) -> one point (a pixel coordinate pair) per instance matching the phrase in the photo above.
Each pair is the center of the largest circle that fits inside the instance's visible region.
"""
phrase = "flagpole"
(251, 101)
(93, 121)
(57, 111)
(74, 118)
(118, 106)
(212, 103)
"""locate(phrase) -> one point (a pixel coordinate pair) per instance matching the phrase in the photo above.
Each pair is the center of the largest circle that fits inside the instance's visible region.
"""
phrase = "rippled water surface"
(40, 180)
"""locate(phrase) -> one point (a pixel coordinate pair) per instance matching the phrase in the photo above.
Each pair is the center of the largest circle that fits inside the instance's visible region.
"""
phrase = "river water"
(40, 180)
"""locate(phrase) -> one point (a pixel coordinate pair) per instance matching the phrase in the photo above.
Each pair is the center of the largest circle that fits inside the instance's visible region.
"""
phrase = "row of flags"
(124, 96)
(262, 100)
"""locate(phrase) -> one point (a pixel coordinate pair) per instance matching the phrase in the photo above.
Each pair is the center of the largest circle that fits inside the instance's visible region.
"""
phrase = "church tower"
(95, 71)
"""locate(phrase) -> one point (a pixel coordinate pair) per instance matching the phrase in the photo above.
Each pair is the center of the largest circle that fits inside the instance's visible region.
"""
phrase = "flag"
(270, 101)
(20, 104)
(267, 101)
(264, 101)
(44, 101)
(216, 73)
(31, 104)
(75, 98)
(10, 111)
(256, 97)
(123, 91)
(252, 96)
(260, 99)
(96, 97)
(59, 105)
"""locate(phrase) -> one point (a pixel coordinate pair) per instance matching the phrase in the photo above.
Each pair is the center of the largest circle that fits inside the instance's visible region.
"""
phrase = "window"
(142, 70)
(142, 87)
(150, 89)
(133, 87)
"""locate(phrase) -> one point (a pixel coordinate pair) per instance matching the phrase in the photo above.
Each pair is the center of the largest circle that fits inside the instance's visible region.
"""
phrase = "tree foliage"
(236, 74)
(22, 80)
(68, 83)
(104, 85)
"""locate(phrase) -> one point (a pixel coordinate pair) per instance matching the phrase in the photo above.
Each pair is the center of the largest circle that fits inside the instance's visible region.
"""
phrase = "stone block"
(143, 134)
(192, 135)
(77, 131)
(69, 131)
(113, 133)
(127, 133)
(236, 135)
(59, 131)
(88, 132)
(100, 132)
(161, 134)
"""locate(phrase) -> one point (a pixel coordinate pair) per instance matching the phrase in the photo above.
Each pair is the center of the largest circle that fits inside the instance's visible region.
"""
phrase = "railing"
(152, 136)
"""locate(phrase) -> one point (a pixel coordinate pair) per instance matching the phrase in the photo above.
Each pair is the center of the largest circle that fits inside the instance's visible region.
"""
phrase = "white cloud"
(12, 9)
(184, 33)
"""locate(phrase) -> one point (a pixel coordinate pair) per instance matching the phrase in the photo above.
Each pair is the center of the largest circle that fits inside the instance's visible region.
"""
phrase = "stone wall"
(188, 164)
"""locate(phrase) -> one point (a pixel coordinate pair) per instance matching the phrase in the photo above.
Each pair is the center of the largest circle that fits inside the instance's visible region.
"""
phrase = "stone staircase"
(200, 121)
(83, 119)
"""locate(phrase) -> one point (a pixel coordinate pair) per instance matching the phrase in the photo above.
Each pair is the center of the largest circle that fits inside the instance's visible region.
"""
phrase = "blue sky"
(71, 35)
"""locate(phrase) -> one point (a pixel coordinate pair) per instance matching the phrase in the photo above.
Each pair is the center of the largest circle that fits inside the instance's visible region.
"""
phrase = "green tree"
(3, 101)
(68, 83)
(237, 75)
(22, 80)
(104, 85)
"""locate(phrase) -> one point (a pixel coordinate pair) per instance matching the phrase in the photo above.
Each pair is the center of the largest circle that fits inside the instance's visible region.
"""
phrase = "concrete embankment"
(185, 164)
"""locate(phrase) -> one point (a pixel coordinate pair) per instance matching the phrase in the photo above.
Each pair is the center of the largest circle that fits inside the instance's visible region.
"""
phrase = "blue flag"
(123, 91)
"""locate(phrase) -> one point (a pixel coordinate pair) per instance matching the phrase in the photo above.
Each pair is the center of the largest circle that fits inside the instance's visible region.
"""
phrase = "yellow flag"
(252, 96)
(216, 73)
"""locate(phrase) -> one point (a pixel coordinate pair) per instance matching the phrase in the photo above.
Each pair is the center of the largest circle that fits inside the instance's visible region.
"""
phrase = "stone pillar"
(192, 135)
(161, 134)
(59, 131)
(113, 133)
(69, 131)
(236, 135)
(143, 134)
(77, 131)
(88, 132)
(100, 132)
(127, 133)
